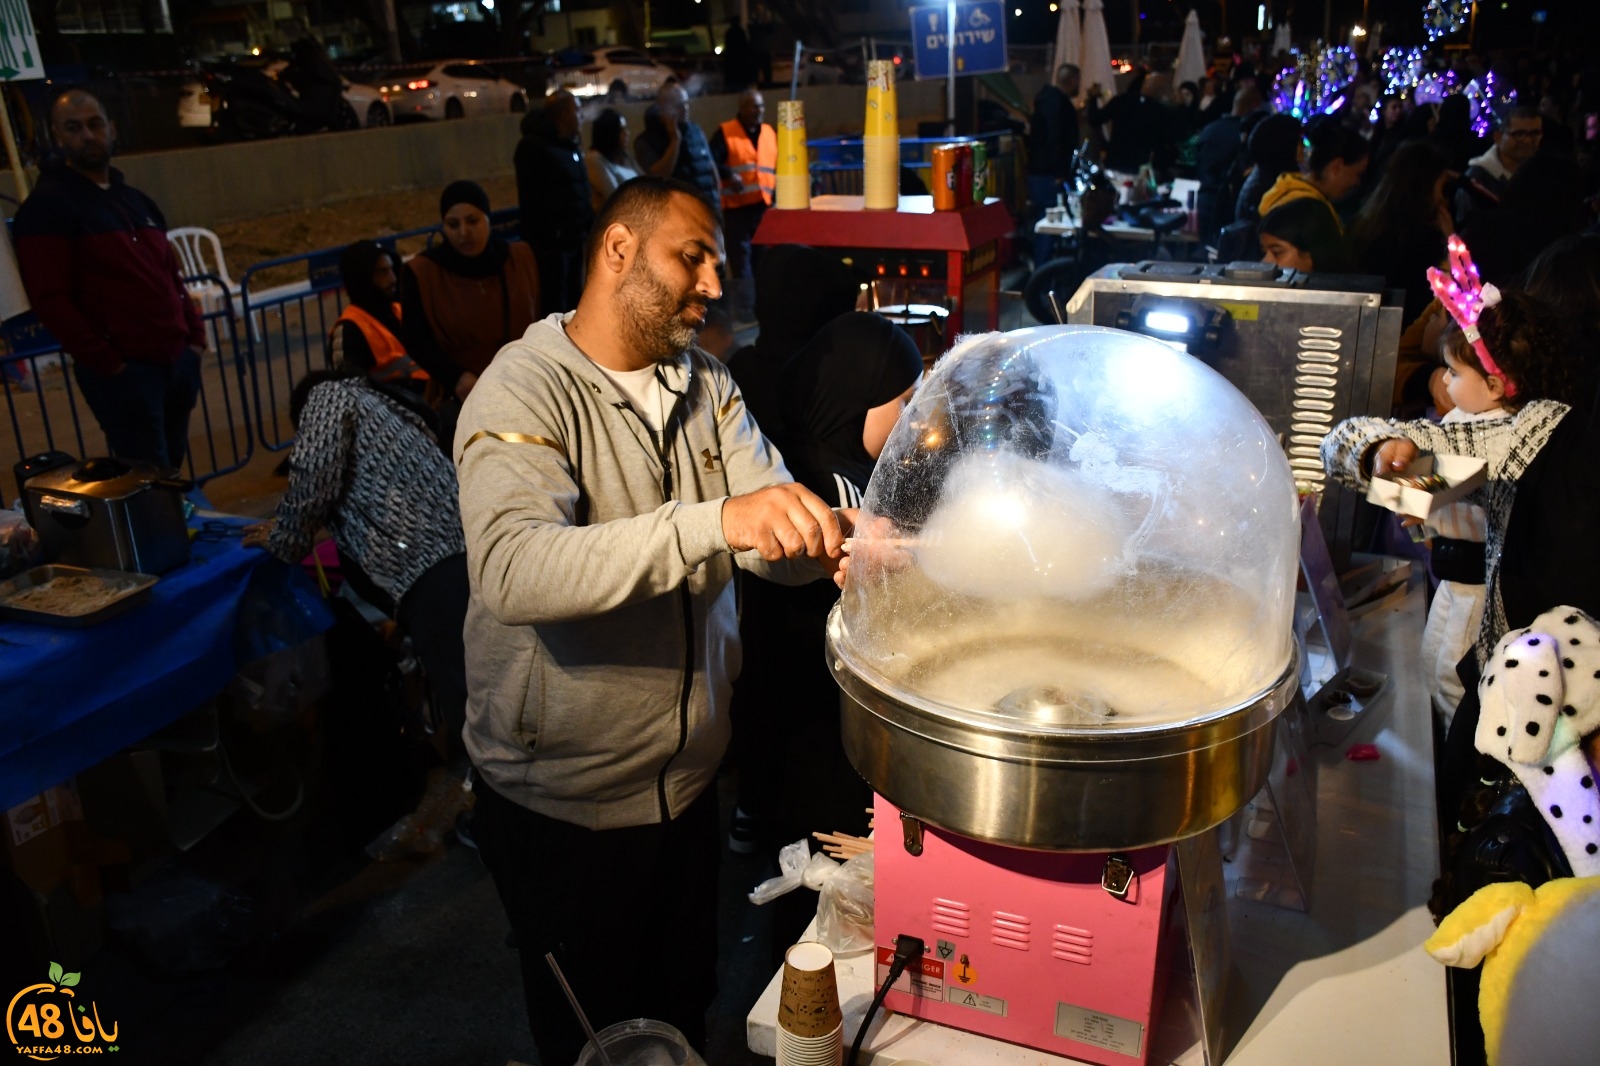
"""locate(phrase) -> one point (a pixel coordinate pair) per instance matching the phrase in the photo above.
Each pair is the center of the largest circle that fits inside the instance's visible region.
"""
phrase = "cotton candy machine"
(1065, 642)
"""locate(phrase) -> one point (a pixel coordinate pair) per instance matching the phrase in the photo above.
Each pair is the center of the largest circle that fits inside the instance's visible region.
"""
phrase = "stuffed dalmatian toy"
(1540, 696)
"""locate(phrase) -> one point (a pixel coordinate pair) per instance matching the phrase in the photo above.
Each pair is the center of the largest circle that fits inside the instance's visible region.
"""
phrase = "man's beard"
(652, 317)
(90, 159)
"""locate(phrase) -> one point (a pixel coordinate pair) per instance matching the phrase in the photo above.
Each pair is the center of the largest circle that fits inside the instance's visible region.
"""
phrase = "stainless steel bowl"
(1090, 789)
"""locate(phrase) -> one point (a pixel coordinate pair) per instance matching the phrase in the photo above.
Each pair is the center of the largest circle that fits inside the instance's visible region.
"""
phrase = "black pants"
(631, 915)
(144, 409)
(434, 612)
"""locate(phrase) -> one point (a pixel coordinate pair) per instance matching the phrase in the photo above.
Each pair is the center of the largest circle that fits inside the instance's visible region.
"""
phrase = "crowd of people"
(1395, 174)
(535, 456)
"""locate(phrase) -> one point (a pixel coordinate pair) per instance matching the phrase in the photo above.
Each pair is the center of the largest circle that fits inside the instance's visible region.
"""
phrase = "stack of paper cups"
(794, 163)
(810, 1023)
(881, 140)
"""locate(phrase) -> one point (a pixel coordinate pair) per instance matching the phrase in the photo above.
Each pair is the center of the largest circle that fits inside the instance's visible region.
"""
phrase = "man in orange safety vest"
(746, 153)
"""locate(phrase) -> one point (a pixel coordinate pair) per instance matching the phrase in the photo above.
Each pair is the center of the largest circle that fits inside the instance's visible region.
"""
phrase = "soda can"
(946, 165)
(980, 172)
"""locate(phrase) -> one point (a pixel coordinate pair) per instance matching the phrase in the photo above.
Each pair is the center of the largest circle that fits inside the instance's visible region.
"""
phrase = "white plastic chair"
(191, 244)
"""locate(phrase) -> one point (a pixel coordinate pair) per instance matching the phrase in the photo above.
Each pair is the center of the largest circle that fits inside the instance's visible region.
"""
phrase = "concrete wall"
(223, 183)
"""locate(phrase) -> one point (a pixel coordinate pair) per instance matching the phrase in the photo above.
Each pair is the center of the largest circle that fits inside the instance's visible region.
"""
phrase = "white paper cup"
(824, 1050)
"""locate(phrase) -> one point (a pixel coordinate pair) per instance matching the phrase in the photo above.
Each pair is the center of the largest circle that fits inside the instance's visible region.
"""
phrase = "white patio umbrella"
(1069, 40)
(1191, 65)
(1096, 64)
(1281, 39)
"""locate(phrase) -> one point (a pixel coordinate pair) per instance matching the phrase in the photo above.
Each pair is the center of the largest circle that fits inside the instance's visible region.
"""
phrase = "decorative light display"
(1486, 97)
(1402, 69)
(1445, 17)
(1316, 83)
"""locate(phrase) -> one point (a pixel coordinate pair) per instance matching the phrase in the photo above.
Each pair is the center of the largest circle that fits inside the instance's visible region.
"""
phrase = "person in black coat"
(1216, 152)
(1052, 140)
(1276, 147)
(1541, 205)
(1140, 123)
(553, 194)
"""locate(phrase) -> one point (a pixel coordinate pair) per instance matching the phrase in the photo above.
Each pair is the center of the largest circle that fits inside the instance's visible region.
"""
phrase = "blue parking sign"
(980, 38)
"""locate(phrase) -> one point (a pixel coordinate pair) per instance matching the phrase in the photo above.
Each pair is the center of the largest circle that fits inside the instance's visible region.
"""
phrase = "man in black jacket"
(553, 194)
(1052, 138)
(1140, 123)
(672, 146)
(102, 278)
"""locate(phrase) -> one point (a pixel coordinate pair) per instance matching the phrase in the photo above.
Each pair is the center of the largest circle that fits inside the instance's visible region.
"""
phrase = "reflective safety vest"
(754, 166)
(390, 363)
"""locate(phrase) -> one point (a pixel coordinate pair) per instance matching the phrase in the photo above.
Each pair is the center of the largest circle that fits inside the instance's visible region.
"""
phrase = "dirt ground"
(295, 232)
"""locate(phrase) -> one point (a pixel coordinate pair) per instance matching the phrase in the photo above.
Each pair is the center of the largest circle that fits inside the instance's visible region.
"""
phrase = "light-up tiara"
(1465, 296)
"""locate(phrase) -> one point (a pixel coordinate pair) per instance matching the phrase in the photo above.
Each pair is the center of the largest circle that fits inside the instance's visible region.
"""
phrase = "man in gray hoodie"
(611, 480)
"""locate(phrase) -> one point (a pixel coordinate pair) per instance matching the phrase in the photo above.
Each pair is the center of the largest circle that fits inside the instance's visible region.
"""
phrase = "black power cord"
(907, 949)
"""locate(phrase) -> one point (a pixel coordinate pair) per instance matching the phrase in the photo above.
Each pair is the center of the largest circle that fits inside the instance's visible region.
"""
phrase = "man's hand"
(464, 384)
(1393, 456)
(782, 522)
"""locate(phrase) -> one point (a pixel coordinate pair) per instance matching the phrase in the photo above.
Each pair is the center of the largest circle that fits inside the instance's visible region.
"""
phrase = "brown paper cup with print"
(808, 1004)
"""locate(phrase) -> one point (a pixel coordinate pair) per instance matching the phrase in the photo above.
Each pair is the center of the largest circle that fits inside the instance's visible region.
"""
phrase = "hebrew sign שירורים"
(980, 39)
(19, 46)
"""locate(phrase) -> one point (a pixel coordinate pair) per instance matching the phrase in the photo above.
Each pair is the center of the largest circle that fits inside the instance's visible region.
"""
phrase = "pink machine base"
(1025, 946)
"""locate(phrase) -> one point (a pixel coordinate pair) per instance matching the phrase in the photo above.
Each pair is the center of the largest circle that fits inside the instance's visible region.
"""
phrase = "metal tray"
(134, 589)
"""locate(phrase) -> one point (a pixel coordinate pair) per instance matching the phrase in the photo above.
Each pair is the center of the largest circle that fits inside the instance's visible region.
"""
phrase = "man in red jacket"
(102, 278)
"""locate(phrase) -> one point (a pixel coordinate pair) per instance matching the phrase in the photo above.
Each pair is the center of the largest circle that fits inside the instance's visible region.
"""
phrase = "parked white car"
(455, 88)
(614, 73)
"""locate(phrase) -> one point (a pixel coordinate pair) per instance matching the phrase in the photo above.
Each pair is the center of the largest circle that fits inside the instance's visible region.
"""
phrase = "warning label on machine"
(928, 983)
(1098, 1029)
(961, 997)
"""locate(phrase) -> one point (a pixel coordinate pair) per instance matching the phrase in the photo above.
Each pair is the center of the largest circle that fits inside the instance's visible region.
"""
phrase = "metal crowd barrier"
(47, 413)
(284, 327)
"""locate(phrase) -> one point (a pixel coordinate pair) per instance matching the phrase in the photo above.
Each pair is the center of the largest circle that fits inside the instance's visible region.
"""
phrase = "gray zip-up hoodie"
(602, 635)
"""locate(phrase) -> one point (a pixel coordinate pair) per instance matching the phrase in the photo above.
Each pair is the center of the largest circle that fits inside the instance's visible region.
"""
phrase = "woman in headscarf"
(841, 395)
(466, 297)
(366, 336)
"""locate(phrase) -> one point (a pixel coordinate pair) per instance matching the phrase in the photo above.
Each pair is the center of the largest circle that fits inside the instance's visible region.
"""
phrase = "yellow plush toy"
(1539, 998)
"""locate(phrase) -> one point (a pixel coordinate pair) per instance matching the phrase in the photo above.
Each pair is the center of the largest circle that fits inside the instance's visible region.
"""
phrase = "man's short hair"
(640, 204)
(1526, 112)
(1065, 69)
(71, 92)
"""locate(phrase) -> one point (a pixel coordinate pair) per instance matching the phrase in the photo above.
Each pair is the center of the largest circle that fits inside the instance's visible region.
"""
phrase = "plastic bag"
(844, 911)
(423, 830)
(792, 862)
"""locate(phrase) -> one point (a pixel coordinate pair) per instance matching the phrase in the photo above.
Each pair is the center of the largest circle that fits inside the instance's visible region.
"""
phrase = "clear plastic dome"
(1074, 528)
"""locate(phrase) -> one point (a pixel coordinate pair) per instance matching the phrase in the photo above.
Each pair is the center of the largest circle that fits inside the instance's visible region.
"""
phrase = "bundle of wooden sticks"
(844, 845)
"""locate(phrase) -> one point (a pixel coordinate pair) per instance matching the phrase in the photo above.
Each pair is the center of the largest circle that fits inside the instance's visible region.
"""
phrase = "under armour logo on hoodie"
(711, 460)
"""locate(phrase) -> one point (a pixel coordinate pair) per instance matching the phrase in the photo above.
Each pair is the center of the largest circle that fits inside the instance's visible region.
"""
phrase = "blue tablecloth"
(70, 698)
